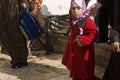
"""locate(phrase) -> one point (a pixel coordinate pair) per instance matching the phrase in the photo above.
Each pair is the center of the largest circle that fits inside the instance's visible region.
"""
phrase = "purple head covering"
(81, 4)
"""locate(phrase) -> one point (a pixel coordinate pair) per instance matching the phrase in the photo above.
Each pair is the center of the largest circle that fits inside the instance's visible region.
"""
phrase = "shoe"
(19, 65)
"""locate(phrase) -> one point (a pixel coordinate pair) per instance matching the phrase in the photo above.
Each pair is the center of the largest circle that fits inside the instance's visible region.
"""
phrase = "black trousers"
(113, 69)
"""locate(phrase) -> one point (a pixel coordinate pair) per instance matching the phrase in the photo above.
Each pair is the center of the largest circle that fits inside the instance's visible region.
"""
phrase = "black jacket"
(115, 32)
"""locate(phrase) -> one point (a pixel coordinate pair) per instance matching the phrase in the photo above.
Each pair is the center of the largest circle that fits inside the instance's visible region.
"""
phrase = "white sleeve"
(93, 2)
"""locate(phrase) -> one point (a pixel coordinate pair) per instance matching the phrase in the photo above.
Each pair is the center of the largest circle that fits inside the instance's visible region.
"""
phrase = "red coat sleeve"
(90, 33)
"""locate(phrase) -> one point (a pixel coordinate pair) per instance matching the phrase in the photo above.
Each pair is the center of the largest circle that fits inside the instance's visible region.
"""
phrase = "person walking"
(112, 71)
(11, 36)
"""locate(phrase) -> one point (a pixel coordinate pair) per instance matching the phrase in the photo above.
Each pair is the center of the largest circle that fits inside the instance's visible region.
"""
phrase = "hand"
(115, 46)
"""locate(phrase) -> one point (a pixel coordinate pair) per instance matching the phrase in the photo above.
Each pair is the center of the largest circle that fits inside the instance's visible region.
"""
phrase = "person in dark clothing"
(35, 10)
(104, 18)
(11, 36)
(112, 71)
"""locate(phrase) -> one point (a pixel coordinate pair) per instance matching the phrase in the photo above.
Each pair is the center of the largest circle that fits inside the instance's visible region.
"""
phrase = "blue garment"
(30, 25)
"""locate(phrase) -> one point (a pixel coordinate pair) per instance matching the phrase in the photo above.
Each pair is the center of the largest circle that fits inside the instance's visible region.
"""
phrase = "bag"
(30, 25)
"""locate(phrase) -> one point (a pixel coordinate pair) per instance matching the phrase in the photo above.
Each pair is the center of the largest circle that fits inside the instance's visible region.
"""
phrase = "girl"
(79, 55)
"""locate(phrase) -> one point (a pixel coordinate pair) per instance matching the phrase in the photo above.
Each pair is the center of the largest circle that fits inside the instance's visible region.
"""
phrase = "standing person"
(104, 18)
(35, 9)
(10, 34)
(113, 68)
(79, 55)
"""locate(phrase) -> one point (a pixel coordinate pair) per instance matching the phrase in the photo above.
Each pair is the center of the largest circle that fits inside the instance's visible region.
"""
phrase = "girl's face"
(76, 11)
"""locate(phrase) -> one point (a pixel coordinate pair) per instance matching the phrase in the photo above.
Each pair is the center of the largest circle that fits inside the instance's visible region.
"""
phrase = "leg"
(112, 71)
(49, 46)
(17, 50)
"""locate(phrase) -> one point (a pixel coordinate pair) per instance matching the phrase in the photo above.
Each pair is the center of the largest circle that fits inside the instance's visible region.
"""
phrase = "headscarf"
(81, 4)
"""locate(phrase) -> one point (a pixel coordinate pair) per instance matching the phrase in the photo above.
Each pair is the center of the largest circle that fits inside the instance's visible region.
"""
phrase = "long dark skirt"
(113, 69)
(11, 37)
